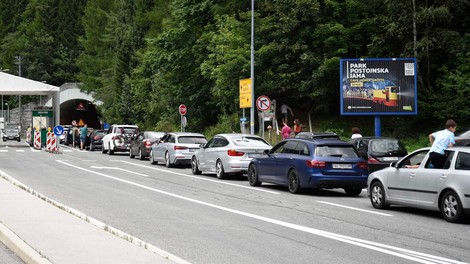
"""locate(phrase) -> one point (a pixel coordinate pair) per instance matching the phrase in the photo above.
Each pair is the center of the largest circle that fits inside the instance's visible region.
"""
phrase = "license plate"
(341, 166)
(192, 149)
(390, 158)
(253, 155)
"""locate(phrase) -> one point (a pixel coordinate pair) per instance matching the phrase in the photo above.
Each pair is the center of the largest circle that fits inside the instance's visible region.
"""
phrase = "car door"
(267, 164)
(203, 154)
(429, 181)
(285, 162)
(163, 146)
(401, 183)
(217, 149)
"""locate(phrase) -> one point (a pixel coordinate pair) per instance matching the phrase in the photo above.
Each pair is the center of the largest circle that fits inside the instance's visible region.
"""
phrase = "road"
(205, 220)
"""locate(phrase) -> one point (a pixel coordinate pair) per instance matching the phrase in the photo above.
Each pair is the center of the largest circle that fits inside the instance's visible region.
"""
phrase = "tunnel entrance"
(79, 109)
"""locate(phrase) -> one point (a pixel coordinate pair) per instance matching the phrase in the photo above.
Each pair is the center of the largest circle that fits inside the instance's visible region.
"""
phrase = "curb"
(20, 248)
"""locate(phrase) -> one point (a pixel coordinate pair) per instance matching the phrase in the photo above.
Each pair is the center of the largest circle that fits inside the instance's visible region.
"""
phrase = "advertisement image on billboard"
(378, 86)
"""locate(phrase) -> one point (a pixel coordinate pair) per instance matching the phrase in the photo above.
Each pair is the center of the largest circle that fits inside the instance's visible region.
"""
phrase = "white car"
(228, 154)
(118, 138)
(415, 182)
(176, 148)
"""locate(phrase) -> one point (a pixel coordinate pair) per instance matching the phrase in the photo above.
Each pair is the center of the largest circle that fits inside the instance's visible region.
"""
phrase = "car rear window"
(249, 142)
(386, 145)
(192, 140)
(336, 151)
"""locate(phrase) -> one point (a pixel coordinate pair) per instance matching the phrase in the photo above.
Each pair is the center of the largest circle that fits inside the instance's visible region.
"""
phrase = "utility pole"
(18, 58)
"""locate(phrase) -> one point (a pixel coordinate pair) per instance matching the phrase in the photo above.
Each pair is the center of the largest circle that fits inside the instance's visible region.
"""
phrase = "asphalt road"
(205, 220)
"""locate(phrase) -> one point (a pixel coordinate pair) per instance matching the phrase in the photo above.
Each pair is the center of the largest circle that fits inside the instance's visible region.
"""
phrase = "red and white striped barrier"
(37, 139)
(28, 137)
(48, 142)
(53, 144)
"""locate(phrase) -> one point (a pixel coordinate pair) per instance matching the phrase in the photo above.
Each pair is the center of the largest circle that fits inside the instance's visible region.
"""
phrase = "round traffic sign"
(263, 103)
(182, 109)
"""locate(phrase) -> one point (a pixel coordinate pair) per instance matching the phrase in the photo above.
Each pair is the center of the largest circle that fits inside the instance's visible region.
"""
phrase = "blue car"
(311, 163)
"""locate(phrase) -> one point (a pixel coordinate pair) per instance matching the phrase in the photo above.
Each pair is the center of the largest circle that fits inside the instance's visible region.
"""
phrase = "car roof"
(186, 134)
(230, 135)
(321, 141)
(373, 138)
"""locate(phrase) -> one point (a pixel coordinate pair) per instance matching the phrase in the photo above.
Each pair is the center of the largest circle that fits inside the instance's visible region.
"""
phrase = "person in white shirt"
(356, 133)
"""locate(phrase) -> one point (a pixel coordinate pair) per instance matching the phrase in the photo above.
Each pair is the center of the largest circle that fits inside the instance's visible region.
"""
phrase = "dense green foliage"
(143, 58)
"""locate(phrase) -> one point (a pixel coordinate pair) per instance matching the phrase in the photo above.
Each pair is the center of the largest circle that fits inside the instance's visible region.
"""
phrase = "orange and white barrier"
(53, 144)
(28, 137)
(49, 141)
(37, 139)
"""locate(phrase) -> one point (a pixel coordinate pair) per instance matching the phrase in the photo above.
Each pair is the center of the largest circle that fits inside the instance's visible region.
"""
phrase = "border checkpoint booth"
(15, 85)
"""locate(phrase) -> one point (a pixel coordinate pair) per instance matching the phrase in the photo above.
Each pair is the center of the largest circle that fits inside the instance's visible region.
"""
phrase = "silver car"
(228, 154)
(414, 181)
(176, 148)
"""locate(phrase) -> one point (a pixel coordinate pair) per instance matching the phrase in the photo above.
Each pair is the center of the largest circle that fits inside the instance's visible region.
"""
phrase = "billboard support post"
(378, 126)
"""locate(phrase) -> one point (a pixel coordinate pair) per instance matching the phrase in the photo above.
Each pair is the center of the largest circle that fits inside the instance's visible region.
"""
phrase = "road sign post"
(182, 109)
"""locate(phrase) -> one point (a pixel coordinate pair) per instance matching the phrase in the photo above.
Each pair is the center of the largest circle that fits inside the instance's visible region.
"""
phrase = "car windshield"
(154, 134)
(335, 151)
(386, 145)
(249, 142)
(11, 131)
(127, 130)
(192, 140)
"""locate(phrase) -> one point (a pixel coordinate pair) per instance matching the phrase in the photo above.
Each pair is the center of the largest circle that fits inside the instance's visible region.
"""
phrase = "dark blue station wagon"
(311, 163)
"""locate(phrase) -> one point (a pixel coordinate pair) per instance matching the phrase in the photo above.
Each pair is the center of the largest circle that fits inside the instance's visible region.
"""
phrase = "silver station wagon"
(415, 182)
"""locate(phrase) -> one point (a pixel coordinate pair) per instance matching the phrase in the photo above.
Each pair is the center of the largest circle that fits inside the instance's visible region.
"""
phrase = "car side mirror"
(266, 152)
(202, 145)
(393, 164)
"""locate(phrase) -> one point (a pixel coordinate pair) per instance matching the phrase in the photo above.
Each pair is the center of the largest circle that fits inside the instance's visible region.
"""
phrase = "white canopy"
(14, 85)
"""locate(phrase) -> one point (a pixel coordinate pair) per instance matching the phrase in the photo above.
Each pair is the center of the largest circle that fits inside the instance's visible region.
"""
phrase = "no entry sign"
(182, 109)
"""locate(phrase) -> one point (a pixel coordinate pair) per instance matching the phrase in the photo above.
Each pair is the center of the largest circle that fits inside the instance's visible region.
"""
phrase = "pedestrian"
(440, 141)
(83, 134)
(284, 111)
(356, 133)
(285, 131)
(297, 126)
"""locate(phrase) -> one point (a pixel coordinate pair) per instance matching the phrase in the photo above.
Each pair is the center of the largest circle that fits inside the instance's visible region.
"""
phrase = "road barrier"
(37, 140)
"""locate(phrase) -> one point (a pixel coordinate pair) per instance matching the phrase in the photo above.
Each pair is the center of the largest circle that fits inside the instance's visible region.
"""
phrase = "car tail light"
(372, 160)
(96, 138)
(362, 165)
(179, 147)
(147, 143)
(232, 152)
(316, 164)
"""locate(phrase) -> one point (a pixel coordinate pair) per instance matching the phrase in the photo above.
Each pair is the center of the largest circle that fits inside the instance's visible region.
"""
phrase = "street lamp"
(8, 112)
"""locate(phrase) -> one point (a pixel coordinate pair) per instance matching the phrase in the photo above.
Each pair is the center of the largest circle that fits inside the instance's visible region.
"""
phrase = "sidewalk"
(39, 232)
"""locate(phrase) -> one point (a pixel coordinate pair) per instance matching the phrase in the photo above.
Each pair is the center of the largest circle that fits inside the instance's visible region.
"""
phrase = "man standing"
(83, 133)
(440, 141)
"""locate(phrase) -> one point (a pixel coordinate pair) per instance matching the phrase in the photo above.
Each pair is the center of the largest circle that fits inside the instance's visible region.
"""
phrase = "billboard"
(378, 86)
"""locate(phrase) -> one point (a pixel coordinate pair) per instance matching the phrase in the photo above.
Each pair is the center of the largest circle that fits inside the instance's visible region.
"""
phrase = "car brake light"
(316, 164)
(362, 165)
(372, 160)
(179, 147)
(147, 143)
(232, 152)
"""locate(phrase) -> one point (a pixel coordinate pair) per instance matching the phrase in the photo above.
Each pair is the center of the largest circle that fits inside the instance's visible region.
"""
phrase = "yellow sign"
(245, 93)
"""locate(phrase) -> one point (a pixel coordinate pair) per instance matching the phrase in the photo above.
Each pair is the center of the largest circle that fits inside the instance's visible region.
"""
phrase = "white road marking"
(115, 168)
(3, 150)
(354, 208)
(20, 150)
(391, 250)
(199, 178)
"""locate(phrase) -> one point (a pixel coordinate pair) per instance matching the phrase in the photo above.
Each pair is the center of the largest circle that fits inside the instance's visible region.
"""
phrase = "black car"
(95, 139)
(379, 151)
(142, 142)
(317, 135)
(11, 134)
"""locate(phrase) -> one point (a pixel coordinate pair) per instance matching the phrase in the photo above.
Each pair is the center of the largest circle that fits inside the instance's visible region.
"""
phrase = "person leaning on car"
(440, 141)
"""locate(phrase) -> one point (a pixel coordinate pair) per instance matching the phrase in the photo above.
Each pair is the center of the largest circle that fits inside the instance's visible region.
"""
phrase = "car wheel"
(219, 170)
(377, 196)
(130, 154)
(451, 207)
(253, 176)
(141, 155)
(151, 158)
(194, 168)
(167, 160)
(293, 182)
(353, 191)
(110, 150)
